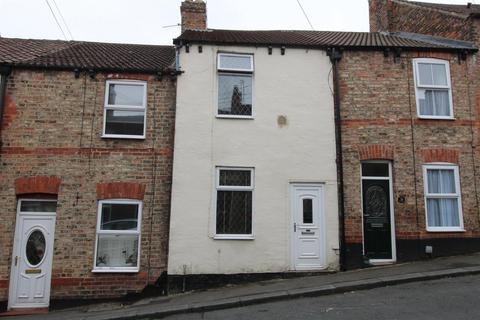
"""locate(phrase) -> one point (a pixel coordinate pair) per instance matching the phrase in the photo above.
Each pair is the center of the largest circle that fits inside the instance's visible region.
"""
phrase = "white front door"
(31, 268)
(308, 237)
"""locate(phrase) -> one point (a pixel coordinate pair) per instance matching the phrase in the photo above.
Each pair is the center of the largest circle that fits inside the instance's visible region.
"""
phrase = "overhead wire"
(63, 19)
(305, 14)
(56, 20)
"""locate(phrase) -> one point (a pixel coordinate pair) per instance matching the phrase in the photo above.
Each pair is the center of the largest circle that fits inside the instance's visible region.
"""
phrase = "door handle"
(16, 260)
(294, 227)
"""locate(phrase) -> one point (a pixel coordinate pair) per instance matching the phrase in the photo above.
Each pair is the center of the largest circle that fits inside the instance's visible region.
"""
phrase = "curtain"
(442, 212)
(435, 103)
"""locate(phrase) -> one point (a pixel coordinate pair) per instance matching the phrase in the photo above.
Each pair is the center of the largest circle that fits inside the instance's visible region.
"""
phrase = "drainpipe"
(335, 56)
(4, 72)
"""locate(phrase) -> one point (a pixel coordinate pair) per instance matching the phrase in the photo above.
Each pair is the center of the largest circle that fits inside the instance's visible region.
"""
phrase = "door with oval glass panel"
(31, 268)
(378, 217)
(308, 229)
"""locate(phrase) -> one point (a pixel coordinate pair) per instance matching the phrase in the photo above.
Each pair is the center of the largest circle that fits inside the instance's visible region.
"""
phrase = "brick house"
(440, 141)
(86, 159)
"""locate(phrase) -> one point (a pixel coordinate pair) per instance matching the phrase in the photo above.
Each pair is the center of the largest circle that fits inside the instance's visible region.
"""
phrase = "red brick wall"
(391, 15)
(379, 120)
(194, 15)
(53, 129)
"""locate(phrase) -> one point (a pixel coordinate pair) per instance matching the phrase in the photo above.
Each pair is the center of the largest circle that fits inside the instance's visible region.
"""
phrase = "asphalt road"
(454, 298)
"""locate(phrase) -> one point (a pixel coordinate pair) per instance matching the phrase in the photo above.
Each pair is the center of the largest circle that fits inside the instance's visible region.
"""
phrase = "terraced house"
(295, 151)
(275, 173)
(86, 160)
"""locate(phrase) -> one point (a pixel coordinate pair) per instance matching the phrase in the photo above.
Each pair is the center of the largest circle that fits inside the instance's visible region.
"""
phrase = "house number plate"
(33, 271)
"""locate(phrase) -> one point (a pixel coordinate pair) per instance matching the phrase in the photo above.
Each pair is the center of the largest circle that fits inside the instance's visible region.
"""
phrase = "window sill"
(233, 237)
(224, 116)
(114, 136)
(136, 270)
(435, 118)
(446, 230)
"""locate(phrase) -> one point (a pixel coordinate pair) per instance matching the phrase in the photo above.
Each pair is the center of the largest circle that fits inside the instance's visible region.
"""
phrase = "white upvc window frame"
(419, 86)
(108, 106)
(235, 71)
(137, 232)
(250, 188)
(457, 195)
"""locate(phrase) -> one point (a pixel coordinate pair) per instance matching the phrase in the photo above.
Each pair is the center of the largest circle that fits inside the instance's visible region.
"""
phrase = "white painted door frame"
(295, 227)
(18, 253)
(392, 213)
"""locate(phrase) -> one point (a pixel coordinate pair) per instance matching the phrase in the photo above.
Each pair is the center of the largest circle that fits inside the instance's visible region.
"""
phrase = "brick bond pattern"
(51, 143)
(379, 120)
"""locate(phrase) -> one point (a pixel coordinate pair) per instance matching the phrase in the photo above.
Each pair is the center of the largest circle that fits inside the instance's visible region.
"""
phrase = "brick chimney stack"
(194, 15)
(380, 11)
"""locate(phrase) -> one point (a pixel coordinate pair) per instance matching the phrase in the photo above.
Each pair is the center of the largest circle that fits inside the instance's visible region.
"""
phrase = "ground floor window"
(442, 198)
(118, 236)
(234, 197)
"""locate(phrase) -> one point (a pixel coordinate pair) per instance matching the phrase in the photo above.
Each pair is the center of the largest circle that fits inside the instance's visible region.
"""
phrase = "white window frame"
(457, 195)
(419, 86)
(234, 71)
(131, 232)
(218, 187)
(108, 106)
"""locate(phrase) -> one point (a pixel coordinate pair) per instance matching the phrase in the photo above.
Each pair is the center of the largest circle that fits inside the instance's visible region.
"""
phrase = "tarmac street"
(441, 288)
(450, 298)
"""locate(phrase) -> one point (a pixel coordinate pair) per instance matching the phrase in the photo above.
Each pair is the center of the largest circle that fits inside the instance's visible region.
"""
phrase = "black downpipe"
(4, 72)
(335, 56)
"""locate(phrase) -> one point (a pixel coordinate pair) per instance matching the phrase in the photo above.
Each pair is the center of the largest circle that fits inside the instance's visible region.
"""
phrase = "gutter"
(335, 56)
(4, 72)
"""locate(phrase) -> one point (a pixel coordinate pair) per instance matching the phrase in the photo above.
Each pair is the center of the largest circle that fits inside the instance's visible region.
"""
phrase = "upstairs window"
(433, 89)
(235, 85)
(442, 198)
(125, 109)
(234, 203)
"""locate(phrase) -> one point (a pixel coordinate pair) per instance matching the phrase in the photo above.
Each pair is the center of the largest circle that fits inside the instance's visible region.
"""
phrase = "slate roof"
(322, 39)
(455, 8)
(85, 55)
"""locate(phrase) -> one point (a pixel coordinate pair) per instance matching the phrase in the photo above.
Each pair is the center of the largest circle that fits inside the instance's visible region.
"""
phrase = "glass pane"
(235, 178)
(35, 250)
(372, 169)
(439, 74)
(117, 250)
(434, 102)
(234, 212)
(125, 122)
(235, 94)
(425, 74)
(126, 95)
(425, 100)
(119, 216)
(441, 181)
(307, 211)
(442, 103)
(38, 206)
(236, 62)
(443, 213)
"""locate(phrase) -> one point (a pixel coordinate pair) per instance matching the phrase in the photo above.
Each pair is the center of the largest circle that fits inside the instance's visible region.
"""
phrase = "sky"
(145, 21)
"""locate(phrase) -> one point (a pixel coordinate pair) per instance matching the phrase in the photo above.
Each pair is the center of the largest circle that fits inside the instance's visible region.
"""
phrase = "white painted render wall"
(297, 85)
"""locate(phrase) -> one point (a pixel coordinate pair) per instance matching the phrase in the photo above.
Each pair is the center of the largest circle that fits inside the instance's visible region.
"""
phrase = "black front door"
(376, 219)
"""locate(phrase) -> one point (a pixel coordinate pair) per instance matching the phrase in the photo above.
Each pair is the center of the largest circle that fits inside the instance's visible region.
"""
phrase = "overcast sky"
(143, 21)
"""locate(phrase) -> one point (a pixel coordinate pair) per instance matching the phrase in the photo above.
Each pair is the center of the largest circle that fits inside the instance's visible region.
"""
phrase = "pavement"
(273, 290)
